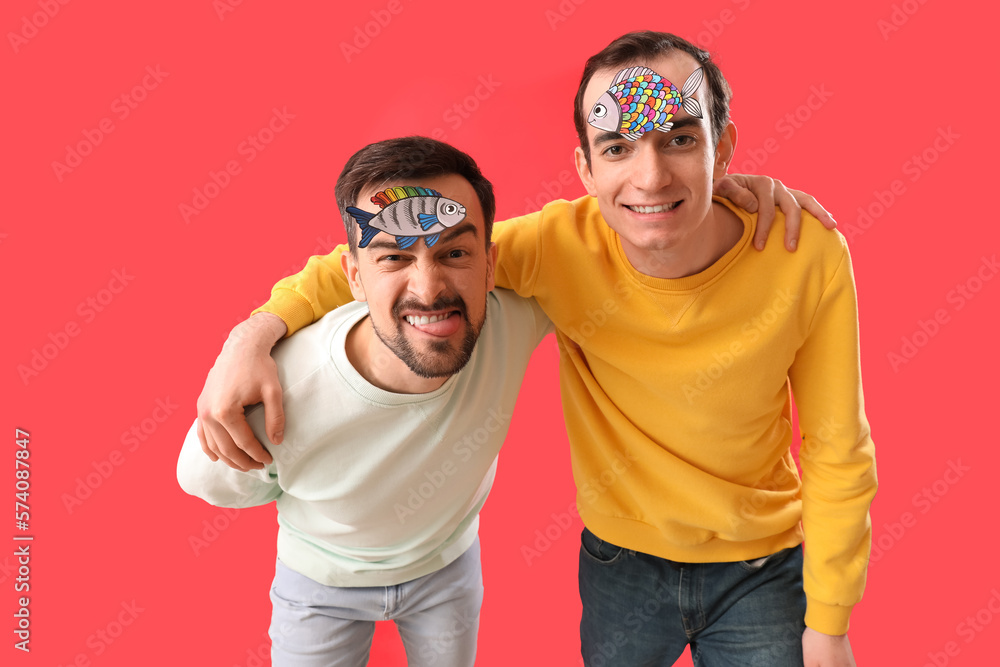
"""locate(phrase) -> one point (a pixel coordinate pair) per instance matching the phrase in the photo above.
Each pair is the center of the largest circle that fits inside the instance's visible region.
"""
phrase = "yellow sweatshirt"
(677, 392)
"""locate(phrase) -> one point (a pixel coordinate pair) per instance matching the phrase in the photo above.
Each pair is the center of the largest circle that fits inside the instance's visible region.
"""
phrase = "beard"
(441, 359)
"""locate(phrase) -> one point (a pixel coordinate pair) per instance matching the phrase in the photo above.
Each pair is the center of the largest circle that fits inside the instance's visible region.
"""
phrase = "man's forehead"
(675, 67)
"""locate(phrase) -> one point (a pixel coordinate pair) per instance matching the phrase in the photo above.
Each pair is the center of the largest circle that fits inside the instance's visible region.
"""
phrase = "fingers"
(204, 443)
(733, 188)
(274, 414)
(216, 429)
(243, 447)
(809, 203)
(793, 215)
(763, 189)
(221, 441)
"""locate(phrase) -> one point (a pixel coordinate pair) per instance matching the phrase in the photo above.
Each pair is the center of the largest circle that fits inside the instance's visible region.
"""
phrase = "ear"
(583, 170)
(349, 264)
(491, 267)
(724, 151)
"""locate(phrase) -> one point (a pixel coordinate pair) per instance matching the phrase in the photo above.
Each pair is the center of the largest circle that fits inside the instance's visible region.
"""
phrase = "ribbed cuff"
(830, 619)
(293, 308)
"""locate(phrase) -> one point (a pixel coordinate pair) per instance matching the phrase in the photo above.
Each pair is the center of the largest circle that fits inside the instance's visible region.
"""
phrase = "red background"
(891, 88)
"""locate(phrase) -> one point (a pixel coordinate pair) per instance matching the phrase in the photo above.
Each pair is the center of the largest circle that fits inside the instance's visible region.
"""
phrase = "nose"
(650, 168)
(427, 281)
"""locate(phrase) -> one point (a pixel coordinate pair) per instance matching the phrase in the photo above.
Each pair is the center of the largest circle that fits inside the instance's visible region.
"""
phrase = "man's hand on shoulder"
(760, 194)
(820, 650)
(243, 374)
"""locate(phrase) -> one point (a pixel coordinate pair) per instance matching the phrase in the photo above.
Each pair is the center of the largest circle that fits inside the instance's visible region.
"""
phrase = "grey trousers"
(437, 615)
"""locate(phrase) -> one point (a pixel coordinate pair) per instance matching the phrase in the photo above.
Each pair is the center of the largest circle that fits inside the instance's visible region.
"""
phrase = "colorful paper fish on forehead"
(640, 100)
(408, 213)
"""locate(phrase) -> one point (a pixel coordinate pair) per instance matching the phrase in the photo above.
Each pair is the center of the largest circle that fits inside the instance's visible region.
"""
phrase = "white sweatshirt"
(375, 488)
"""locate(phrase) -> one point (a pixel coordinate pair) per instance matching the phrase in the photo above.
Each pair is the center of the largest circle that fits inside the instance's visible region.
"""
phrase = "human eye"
(613, 151)
(457, 252)
(682, 140)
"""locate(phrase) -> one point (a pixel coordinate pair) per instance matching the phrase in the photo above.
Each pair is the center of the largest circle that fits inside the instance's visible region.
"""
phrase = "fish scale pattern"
(646, 101)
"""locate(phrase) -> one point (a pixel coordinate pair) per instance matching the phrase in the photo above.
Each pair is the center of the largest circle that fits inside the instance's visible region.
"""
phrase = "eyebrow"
(679, 124)
(452, 233)
(382, 245)
(446, 237)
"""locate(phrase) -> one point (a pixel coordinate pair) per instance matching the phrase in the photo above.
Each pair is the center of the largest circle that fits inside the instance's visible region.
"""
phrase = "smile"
(659, 208)
(437, 325)
(424, 319)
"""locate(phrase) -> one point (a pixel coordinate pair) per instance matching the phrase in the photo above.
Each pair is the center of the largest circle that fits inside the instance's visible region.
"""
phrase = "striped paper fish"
(408, 212)
(640, 100)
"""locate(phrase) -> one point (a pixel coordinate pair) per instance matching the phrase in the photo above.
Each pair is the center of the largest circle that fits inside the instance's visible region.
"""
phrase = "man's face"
(428, 305)
(655, 191)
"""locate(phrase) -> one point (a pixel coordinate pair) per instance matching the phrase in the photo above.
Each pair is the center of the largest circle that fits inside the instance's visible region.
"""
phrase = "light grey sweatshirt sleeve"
(220, 485)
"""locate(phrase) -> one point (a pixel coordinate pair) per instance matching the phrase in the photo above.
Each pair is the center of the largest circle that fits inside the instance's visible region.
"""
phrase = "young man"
(395, 419)
(689, 375)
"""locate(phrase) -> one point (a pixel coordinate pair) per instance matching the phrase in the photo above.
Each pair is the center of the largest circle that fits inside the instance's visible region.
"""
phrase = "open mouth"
(424, 319)
(658, 208)
(436, 324)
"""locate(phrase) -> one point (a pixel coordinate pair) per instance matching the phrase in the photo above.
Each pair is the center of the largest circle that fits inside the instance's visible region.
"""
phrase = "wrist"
(260, 331)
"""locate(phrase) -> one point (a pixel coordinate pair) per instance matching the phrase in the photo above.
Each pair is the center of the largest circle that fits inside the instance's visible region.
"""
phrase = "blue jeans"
(641, 610)
(437, 615)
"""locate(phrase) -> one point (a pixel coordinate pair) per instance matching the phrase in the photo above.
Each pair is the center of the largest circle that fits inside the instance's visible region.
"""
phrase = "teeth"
(423, 319)
(654, 209)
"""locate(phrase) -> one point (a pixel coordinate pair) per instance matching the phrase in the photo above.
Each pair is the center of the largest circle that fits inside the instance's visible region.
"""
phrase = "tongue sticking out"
(443, 327)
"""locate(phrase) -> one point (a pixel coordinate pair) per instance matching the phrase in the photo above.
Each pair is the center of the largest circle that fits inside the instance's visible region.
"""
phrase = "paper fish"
(408, 213)
(640, 100)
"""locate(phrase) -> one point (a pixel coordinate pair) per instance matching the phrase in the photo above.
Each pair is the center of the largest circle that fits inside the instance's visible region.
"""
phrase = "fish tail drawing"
(690, 86)
(363, 218)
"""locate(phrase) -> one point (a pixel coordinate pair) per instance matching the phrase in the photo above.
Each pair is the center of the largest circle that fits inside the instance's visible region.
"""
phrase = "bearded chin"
(440, 359)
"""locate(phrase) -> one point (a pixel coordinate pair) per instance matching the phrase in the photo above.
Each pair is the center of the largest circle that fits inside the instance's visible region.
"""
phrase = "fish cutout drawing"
(408, 213)
(640, 100)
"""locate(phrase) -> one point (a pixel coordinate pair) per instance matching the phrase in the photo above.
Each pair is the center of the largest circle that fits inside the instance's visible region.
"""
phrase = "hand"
(820, 650)
(243, 374)
(763, 192)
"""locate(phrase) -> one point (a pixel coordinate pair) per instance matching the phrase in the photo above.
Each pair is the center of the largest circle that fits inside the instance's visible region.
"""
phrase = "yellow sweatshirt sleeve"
(837, 457)
(301, 299)
(519, 249)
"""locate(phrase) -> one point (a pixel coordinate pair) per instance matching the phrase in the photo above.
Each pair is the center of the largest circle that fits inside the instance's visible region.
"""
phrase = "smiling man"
(681, 347)
(707, 529)
(378, 493)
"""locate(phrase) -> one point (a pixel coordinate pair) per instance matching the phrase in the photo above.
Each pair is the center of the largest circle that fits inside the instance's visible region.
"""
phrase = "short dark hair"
(400, 160)
(636, 47)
